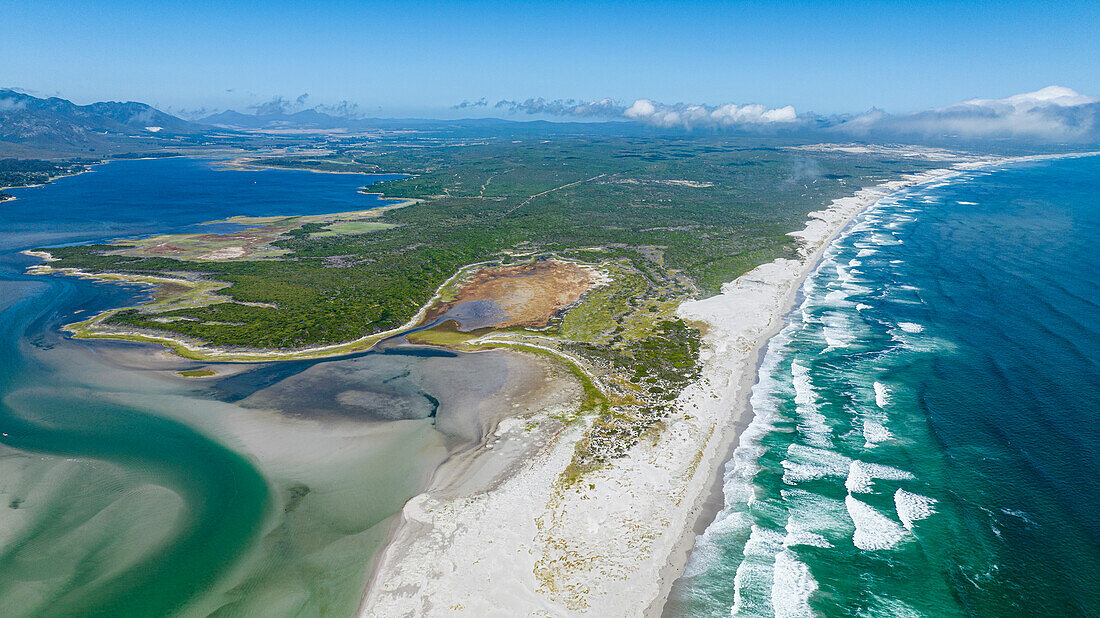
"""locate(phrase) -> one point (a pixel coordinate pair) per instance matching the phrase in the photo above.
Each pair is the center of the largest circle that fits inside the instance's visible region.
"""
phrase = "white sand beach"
(525, 544)
(612, 544)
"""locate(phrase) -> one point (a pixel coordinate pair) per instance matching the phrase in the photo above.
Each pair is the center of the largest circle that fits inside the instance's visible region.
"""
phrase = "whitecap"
(865, 252)
(751, 586)
(806, 463)
(882, 395)
(874, 530)
(912, 507)
(967, 203)
(861, 474)
(812, 422)
(837, 331)
(792, 585)
(707, 551)
(862, 307)
(911, 327)
(1019, 514)
(874, 432)
(764, 542)
(805, 537)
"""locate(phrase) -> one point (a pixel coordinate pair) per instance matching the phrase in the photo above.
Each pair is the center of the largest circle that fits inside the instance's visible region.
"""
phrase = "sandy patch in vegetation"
(227, 253)
(612, 542)
(530, 294)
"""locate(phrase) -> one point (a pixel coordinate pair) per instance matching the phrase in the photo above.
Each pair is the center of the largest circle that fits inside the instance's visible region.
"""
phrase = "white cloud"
(1058, 96)
(653, 113)
(11, 104)
(1052, 114)
(706, 116)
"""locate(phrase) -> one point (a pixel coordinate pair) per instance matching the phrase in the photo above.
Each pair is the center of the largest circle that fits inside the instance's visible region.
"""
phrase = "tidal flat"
(129, 489)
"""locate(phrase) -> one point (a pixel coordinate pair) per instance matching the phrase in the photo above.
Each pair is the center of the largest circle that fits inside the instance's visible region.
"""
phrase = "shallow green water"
(126, 492)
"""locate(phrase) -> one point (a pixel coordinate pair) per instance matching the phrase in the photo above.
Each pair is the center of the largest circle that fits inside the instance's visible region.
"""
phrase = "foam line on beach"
(613, 544)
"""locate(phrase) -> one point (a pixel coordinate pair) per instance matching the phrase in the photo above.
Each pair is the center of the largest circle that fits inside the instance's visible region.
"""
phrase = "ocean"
(926, 430)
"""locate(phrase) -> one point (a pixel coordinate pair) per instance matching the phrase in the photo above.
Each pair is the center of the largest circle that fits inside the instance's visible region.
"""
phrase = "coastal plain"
(577, 256)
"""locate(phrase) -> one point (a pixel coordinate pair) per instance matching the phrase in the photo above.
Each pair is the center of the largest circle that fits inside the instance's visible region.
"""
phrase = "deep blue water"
(143, 197)
(926, 437)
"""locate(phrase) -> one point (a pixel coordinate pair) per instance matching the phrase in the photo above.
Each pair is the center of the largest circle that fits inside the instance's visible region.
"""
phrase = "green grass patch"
(446, 334)
(351, 227)
(197, 373)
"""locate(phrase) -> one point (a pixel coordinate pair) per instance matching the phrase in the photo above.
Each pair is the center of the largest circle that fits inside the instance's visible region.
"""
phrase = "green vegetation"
(197, 373)
(689, 213)
(27, 172)
(446, 334)
(664, 218)
(351, 227)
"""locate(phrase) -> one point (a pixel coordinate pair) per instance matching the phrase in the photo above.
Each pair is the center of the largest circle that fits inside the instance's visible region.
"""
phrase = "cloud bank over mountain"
(678, 115)
(1052, 114)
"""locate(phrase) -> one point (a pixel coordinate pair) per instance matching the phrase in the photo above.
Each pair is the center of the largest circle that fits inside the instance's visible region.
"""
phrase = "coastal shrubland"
(599, 200)
(27, 172)
(661, 219)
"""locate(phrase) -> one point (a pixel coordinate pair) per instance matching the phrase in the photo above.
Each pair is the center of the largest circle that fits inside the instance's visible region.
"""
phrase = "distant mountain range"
(57, 124)
(315, 120)
(32, 127)
(306, 119)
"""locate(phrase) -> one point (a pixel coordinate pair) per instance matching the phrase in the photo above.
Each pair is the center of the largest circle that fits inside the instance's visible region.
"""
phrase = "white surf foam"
(861, 474)
(764, 542)
(751, 586)
(837, 331)
(865, 252)
(814, 516)
(805, 537)
(862, 307)
(912, 507)
(708, 545)
(882, 395)
(874, 531)
(910, 327)
(792, 586)
(812, 422)
(874, 432)
(806, 463)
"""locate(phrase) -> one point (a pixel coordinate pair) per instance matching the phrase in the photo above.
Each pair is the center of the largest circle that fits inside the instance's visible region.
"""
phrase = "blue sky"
(419, 58)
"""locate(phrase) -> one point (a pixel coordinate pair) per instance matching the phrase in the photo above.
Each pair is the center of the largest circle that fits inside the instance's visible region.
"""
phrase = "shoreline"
(199, 352)
(686, 460)
(11, 198)
(712, 502)
(615, 543)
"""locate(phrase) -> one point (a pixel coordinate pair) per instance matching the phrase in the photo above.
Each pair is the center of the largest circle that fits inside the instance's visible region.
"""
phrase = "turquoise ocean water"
(926, 438)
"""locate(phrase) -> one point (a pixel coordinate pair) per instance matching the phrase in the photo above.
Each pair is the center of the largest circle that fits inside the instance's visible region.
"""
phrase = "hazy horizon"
(426, 58)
